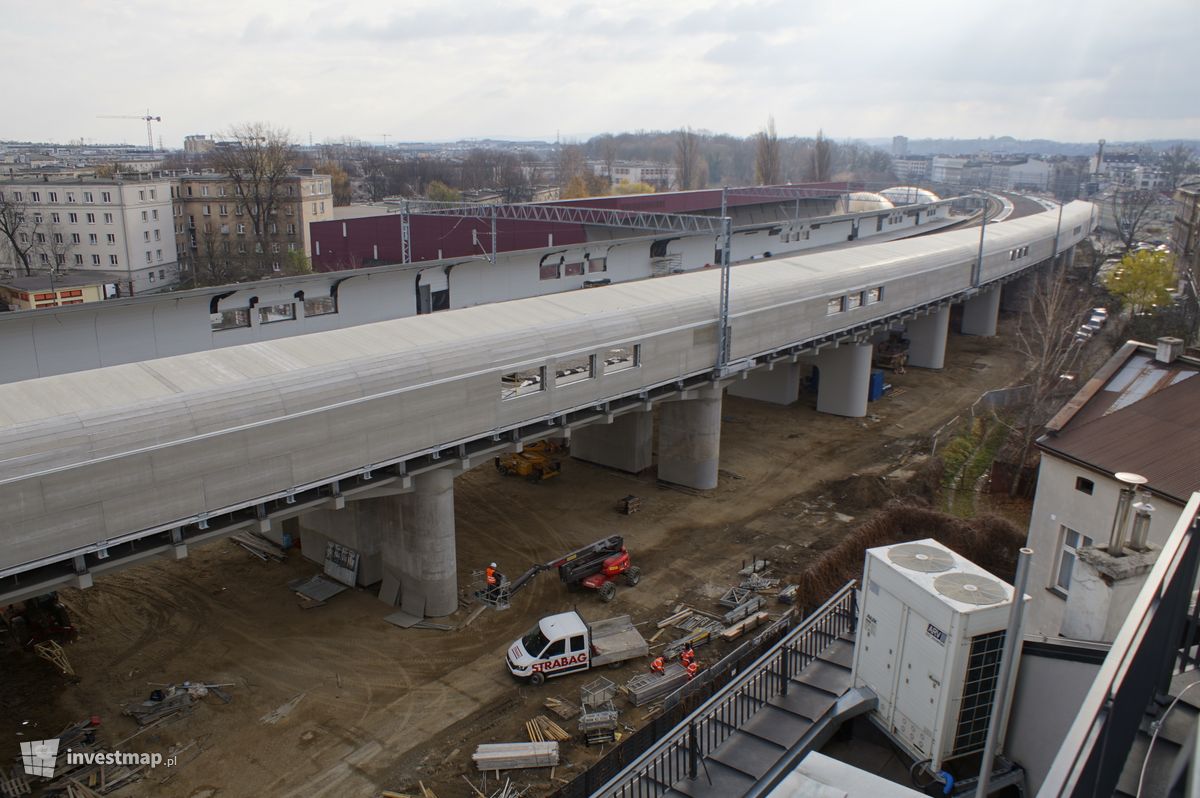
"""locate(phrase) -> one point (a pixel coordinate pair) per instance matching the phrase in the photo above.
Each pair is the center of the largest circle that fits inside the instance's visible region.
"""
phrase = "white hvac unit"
(930, 634)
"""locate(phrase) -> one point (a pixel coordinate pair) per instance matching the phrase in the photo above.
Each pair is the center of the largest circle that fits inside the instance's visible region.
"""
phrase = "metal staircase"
(786, 704)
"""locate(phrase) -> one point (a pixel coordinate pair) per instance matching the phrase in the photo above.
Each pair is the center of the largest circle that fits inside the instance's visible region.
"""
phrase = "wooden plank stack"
(262, 548)
(743, 626)
(541, 729)
(513, 756)
(563, 709)
(750, 605)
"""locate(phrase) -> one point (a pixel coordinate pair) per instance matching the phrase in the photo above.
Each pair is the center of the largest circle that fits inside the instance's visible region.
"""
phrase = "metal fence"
(659, 757)
(1157, 640)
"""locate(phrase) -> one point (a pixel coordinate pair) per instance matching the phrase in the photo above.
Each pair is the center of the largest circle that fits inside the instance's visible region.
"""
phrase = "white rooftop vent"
(974, 589)
(1168, 349)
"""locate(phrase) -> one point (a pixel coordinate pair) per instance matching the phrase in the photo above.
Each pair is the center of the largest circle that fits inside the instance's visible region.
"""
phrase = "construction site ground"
(333, 701)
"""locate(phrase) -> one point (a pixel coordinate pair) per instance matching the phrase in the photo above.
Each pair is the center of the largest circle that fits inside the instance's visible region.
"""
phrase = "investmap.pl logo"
(39, 758)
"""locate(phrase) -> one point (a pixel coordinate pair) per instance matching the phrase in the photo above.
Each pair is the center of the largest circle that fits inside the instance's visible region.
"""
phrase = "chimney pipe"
(1142, 511)
(1116, 537)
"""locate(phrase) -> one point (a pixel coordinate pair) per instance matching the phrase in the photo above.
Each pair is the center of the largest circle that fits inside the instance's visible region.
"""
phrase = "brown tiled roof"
(1157, 436)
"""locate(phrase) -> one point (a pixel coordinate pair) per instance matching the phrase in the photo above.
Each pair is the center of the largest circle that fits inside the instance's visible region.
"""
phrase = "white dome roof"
(863, 201)
(909, 195)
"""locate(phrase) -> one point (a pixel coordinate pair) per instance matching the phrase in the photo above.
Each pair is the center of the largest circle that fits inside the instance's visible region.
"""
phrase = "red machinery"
(596, 566)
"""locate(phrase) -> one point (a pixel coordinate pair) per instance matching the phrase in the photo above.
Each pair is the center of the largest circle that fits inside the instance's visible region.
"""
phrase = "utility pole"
(723, 322)
(977, 272)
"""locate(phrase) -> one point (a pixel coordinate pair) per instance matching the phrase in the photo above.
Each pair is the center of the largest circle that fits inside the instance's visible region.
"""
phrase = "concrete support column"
(845, 377)
(425, 560)
(627, 444)
(927, 340)
(779, 385)
(981, 312)
(689, 439)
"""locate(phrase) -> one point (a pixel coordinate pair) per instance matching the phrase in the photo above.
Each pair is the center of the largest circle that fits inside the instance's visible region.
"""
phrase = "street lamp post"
(977, 272)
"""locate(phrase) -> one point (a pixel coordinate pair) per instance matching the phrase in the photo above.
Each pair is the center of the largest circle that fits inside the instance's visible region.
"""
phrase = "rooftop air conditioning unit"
(930, 634)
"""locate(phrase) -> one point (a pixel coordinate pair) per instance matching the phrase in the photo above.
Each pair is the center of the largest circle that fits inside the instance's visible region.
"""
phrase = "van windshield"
(534, 641)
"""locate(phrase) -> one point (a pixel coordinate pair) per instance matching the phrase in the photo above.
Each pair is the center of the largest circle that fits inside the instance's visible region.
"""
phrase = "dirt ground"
(333, 701)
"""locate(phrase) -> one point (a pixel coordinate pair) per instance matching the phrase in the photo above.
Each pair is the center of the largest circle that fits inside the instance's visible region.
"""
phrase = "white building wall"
(1058, 504)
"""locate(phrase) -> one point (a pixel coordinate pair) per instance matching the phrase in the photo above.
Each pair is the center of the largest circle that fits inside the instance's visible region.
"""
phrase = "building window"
(73, 218)
(145, 216)
(1084, 485)
(58, 238)
(70, 196)
(154, 214)
(153, 193)
(142, 196)
(87, 197)
(230, 319)
(573, 269)
(35, 196)
(148, 257)
(106, 196)
(158, 255)
(151, 275)
(854, 300)
(574, 370)
(835, 306)
(112, 239)
(95, 260)
(208, 210)
(320, 306)
(522, 383)
(75, 238)
(874, 295)
(108, 218)
(204, 191)
(273, 313)
(93, 238)
(146, 236)
(158, 235)
(112, 260)
(597, 265)
(622, 357)
(78, 259)
(1072, 542)
(241, 229)
(54, 217)
(550, 269)
(91, 218)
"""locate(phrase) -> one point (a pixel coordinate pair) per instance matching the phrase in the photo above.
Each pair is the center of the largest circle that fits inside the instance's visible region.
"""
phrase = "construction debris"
(316, 588)
(52, 652)
(787, 594)
(261, 547)
(155, 710)
(757, 582)
(734, 596)
(599, 718)
(563, 709)
(676, 619)
(754, 567)
(701, 623)
(751, 605)
(647, 687)
(629, 505)
(12, 786)
(696, 638)
(514, 756)
(740, 628)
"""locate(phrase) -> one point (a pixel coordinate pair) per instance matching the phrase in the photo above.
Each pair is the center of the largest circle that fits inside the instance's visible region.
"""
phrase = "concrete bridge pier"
(423, 556)
(689, 438)
(927, 339)
(845, 376)
(1014, 296)
(626, 443)
(778, 384)
(981, 312)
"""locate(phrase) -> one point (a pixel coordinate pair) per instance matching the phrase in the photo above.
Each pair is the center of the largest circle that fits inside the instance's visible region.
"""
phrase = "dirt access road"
(333, 701)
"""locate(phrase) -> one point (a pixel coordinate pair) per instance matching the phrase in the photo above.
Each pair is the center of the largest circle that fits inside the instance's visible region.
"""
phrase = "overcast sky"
(447, 69)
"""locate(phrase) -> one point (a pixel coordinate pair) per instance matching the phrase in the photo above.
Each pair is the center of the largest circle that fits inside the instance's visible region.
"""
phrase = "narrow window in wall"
(1072, 541)
(522, 383)
(230, 319)
(597, 265)
(1084, 485)
(320, 306)
(574, 369)
(573, 269)
(273, 313)
(854, 300)
(835, 306)
(874, 295)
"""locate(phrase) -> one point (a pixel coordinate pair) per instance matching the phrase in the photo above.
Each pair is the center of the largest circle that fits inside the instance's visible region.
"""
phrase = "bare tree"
(54, 245)
(1046, 339)
(18, 227)
(572, 163)
(1177, 162)
(258, 159)
(1129, 209)
(688, 162)
(822, 158)
(767, 161)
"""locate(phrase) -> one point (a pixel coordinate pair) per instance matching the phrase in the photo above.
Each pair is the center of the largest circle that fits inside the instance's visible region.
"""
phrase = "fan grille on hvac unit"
(919, 557)
(970, 588)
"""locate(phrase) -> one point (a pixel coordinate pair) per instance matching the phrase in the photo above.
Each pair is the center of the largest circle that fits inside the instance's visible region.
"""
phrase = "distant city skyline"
(470, 70)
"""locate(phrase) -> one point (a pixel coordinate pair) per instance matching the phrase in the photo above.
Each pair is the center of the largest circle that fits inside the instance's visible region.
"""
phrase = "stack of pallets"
(513, 756)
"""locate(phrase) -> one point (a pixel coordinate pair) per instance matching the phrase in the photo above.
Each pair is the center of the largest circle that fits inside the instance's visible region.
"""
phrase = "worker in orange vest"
(492, 581)
(692, 668)
(657, 665)
(687, 657)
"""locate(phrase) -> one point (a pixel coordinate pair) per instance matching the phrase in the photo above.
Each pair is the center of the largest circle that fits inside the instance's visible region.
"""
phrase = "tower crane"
(147, 118)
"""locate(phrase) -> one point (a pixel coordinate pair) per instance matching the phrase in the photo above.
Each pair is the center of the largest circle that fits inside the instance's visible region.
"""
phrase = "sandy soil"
(366, 706)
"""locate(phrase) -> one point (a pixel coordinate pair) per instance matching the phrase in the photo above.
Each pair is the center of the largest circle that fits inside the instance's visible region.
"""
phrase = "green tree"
(1143, 279)
(440, 192)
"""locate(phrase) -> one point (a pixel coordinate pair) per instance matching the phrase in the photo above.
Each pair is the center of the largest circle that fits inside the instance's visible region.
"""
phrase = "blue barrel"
(875, 388)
